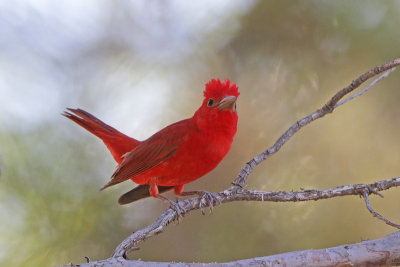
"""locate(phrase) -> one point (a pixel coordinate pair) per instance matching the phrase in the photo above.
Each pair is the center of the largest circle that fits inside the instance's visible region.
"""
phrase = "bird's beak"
(227, 103)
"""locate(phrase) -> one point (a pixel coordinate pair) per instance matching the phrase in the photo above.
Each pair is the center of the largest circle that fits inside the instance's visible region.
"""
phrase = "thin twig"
(384, 75)
(376, 214)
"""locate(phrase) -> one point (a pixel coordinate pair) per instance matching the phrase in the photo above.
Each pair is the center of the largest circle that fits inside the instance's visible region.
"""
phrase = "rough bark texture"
(380, 252)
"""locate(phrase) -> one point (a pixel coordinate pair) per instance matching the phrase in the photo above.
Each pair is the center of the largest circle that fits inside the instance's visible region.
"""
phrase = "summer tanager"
(176, 155)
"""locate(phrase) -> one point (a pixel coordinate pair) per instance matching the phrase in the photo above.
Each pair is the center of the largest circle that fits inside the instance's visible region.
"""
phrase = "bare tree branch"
(238, 193)
(384, 75)
(379, 252)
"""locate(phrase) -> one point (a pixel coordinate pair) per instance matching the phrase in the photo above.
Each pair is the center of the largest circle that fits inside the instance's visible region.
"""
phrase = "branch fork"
(237, 192)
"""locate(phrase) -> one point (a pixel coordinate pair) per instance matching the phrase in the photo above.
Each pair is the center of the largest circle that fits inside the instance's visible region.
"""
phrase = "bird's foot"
(212, 199)
(180, 211)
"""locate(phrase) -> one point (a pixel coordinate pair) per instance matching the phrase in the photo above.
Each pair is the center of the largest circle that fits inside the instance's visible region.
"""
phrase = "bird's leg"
(153, 188)
(174, 205)
(178, 189)
(206, 198)
(180, 211)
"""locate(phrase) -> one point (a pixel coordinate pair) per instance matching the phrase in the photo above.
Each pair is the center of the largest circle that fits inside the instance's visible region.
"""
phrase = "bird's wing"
(151, 152)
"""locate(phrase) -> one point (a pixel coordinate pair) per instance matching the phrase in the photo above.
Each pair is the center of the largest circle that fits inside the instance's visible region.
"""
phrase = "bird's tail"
(117, 142)
(139, 192)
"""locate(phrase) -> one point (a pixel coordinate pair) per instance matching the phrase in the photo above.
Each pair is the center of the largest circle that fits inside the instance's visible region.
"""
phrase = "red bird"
(176, 155)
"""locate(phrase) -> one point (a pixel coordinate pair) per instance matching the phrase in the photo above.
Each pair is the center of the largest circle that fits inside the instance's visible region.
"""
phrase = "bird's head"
(219, 105)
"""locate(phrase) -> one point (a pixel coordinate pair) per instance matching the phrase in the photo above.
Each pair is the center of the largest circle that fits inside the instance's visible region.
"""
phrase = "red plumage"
(176, 155)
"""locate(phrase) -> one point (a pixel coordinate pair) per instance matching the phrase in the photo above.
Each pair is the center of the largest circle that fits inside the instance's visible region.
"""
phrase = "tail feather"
(139, 192)
(117, 142)
(88, 121)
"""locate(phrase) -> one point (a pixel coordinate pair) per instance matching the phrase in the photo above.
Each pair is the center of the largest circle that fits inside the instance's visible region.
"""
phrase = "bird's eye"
(210, 102)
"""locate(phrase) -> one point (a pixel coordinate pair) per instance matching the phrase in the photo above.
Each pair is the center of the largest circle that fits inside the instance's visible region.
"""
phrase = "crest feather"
(217, 89)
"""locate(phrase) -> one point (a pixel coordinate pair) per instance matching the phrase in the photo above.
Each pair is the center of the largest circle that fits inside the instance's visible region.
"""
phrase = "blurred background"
(141, 65)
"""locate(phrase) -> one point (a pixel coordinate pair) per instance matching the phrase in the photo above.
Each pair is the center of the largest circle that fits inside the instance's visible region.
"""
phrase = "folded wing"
(151, 152)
